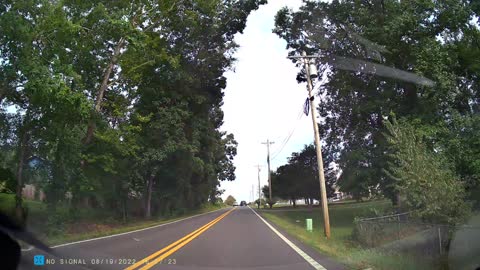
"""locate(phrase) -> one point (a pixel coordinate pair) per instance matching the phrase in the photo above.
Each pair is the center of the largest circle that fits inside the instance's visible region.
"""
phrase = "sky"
(263, 101)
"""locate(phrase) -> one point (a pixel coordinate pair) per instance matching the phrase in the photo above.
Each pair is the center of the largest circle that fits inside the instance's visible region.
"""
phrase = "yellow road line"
(160, 258)
(191, 235)
(143, 261)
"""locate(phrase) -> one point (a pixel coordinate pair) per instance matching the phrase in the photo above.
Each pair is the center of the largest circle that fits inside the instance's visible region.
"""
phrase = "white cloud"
(263, 101)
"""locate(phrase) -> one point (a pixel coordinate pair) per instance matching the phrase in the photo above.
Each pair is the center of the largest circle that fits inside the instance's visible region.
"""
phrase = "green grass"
(340, 246)
(287, 205)
(86, 223)
(114, 228)
(7, 205)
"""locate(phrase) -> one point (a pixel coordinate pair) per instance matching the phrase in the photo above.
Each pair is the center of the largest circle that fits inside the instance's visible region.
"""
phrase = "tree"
(405, 57)
(460, 139)
(266, 195)
(121, 100)
(191, 84)
(230, 200)
(287, 184)
(7, 181)
(39, 85)
(424, 178)
(299, 178)
(260, 202)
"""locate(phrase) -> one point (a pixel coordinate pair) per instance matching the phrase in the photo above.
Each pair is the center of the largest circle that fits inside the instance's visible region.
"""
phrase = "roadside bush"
(271, 202)
(367, 234)
(259, 203)
(230, 200)
(180, 211)
(423, 177)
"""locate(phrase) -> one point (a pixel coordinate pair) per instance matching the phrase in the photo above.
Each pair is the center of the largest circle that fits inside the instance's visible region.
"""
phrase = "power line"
(285, 141)
(299, 116)
(287, 138)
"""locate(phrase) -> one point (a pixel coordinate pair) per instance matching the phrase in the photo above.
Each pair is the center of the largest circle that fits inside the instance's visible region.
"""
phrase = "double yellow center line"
(158, 256)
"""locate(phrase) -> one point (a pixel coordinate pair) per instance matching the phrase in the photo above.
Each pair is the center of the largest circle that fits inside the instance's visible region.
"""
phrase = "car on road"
(243, 203)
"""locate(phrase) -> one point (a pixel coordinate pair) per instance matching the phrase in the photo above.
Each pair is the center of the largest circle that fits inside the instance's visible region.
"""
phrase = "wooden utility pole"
(269, 173)
(323, 191)
(259, 188)
(251, 194)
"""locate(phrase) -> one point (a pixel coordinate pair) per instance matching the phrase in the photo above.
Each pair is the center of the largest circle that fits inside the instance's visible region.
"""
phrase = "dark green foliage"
(230, 200)
(435, 41)
(120, 100)
(424, 178)
(299, 178)
(7, 181)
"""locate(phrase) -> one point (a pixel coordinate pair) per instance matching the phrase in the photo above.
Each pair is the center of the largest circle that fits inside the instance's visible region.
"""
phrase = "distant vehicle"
(243, 203)
(235, 204)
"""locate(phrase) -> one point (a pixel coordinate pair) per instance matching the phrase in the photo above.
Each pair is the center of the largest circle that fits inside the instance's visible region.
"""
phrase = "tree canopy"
(298, 179)
(230, 200)
(416, 59)
(120, 100)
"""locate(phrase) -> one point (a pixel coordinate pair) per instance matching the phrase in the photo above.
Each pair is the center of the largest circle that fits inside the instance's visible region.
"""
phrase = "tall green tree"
(406, 57)
(230, 200)
(121, 100)
(423, 176)
(39, 85)
(298, 179)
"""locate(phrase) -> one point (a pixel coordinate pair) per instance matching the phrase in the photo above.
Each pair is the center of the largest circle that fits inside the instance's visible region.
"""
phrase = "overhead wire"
(316, 91)
(287, 138)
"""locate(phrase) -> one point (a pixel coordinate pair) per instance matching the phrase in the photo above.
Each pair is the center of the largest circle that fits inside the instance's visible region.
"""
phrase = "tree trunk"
(86, 202)
(103, 88)
(213, 200)
(148, 201)
(21, 163)
(294, 202)
(397, 203)
(124, 210)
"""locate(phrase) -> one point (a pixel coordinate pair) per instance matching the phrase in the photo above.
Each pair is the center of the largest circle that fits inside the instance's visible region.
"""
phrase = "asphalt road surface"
(234, 238)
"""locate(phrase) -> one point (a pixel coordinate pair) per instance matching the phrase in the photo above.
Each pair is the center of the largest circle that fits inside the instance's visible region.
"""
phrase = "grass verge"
(87, 223)
(340, 246)
(100, 230)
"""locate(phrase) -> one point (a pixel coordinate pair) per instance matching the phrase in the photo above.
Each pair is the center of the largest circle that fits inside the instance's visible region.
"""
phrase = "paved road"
(235, 238)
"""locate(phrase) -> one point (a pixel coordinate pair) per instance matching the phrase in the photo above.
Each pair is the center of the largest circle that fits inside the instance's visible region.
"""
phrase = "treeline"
(298, 179)
(400, 108)
(115, 104)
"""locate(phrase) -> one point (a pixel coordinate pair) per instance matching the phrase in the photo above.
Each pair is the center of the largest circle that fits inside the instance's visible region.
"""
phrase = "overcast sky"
(263, 101)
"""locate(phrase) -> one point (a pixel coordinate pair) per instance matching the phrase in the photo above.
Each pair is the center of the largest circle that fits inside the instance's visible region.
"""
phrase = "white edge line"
(119, 234)
(28, 249)
(300, 252)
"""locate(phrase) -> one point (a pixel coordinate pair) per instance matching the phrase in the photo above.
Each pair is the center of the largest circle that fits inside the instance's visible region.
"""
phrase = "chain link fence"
(404, 234)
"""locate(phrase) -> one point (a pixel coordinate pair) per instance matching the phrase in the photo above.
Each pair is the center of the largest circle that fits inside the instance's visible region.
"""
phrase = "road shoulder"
(326, 261)
(125, 231)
